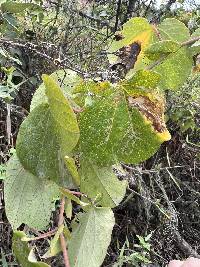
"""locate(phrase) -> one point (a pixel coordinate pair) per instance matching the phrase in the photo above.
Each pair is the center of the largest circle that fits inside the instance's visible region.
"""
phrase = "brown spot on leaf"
(151, 110)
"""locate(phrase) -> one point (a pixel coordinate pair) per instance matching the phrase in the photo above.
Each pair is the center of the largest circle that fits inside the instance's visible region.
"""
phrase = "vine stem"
(62, 238)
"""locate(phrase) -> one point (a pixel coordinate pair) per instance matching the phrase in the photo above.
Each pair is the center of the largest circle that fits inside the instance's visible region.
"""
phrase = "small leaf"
(55, 247)
(3, 259)
(156, 50)
(173, 29)
(174, 69)
(32, 197)
(69, 195)
(91, 238)
(23, 253)
(68, 208)
(71, 166)
(95, 180)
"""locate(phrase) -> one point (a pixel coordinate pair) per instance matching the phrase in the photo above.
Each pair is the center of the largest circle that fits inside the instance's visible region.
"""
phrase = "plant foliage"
(101, 123)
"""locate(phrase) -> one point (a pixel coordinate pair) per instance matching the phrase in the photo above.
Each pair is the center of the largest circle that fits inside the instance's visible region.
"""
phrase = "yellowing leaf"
(136, 30)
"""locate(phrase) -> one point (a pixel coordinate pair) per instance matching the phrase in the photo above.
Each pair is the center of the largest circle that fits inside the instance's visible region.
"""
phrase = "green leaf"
(195, 48)
(68, 208)
(32, 197)
(67, 79)
(173, 29)
(174, 69)
(95, 180)
(71, 166)
(38, 147)
(141, 83)
(156, 50)
(14, 7)
(24, 255)
(64, 117)
(55, 247)
(3, 259)
(91, 238)
(111, 130)
(70, 196)
(48, 134)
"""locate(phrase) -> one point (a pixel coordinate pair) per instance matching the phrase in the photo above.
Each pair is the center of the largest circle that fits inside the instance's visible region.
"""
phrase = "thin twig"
(62, 238)
(45, 235)
(191, 41)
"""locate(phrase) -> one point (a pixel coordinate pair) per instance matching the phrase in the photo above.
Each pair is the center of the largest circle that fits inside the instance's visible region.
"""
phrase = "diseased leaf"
(24, 255)
(115, 130)
(174, 69)
(28, 199)
(136, 30)
(173, 29)
(91, 238)
(103, 181)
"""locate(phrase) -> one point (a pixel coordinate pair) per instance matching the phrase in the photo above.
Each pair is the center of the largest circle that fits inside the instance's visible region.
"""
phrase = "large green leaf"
(28, 199)
(48, 134)
(113, 131)
(14, 7)
(103, 181)
(173, 29)
(39, 146)
(91, 238)
(174, 69)
(24, 255)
